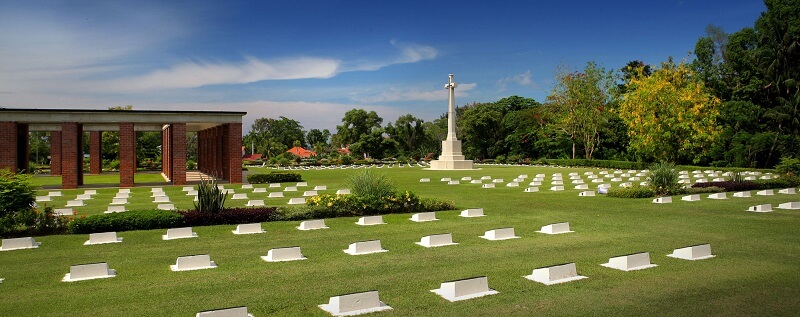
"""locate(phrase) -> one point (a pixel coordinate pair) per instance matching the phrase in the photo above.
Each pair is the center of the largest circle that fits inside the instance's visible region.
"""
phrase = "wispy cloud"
(523, 79)
(414, 94)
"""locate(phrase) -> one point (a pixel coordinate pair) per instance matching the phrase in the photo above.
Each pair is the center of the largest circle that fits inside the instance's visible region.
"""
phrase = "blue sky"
(314, 60)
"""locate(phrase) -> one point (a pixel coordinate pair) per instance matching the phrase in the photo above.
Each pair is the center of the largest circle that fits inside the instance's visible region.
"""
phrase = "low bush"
(274, 177)
(631, 192)
(228, 216)
(126, 221)
(17, 197)
(788, 167)
(210, 198)
(595, 163)
(730, 186)
(367, 183)
(701, 190)
(663, 179)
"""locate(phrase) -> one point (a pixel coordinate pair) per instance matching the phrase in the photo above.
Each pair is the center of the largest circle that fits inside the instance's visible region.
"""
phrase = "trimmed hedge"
(274, 177)
(596, 163)
(732, 186)
(228, 216)
(631, 192)
(125, 221)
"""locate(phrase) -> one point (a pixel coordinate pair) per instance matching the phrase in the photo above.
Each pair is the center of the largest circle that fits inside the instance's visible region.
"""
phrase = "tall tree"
(355, 124)
(408, 131)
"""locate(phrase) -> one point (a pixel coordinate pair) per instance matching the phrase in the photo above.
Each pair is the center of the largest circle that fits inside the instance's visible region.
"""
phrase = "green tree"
(355, 124)
(670, 115)
(315, 136)
(482, 133)
(408, 131)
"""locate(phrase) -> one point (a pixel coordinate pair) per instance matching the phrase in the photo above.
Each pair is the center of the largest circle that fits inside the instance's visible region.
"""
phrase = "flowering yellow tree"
(671, 115)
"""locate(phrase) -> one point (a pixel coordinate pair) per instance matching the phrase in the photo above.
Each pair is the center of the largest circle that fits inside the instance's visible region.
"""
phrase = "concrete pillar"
(178, 153)
(8, 146)
(127, 154)
(55, 153)
(95, 152)
(71, 155)
(234, 144)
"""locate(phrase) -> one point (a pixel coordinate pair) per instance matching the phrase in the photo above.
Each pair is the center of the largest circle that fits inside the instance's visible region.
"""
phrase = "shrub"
(191, 165)
(663, 179)
(274, 177)
(114, 165)
(594, 163)
(788, 167)
(367, 183)
(434, 204)
(17, 196)
(125, 221)
(701, 190)
(228, 216)
(730, 186)
(210, 199)
(631, 192)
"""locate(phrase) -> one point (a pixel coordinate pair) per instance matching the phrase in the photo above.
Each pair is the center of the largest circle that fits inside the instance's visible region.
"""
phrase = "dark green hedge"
(274, 177)
(125, 221)
(596, 163)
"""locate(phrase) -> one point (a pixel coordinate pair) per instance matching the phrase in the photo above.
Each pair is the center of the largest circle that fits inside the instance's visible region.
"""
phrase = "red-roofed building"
(301, 152)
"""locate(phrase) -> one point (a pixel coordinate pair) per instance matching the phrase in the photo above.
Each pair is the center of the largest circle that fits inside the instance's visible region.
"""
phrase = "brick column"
(214, 168)
(165, 160)
(127, 154)
(8, 146)
(234, 144)
(226, 152)
(95, 152)
(178, 153)
(55, 153)
(71, 155)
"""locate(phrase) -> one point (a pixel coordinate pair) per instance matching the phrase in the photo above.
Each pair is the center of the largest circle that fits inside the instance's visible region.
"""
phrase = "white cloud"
(523, 79)
(409, 53)
(394, 94)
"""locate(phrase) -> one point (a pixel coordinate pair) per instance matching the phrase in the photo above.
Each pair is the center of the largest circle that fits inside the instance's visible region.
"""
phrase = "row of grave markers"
(794, 205)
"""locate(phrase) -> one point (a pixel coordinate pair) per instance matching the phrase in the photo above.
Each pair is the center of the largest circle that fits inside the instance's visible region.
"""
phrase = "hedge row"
(732, 186)
(228, 216)
(596, 163)
(274, 177)
(163, 219)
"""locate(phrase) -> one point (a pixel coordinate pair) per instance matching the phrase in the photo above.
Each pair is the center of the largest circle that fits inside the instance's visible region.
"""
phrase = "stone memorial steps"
(88, 272)
(464, 289)
(555, 274)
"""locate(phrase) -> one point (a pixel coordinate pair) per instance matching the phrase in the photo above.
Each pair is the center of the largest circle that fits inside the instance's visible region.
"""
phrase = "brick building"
(219, 141)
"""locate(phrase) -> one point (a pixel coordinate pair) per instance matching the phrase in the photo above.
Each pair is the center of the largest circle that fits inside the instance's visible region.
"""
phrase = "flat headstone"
(225, 312)
(247, 186)
(345, 191)
(259, 190)
(192, 193)
(466, 178)
(490, 185)
(365, 247)
(301, 184)
(424, 180)
(557, 183)
(512, 184)
(156, 190)
(695, 252)
(75, 203)
(535, 183)
(453, 182)
(113, 209)
(297, 201)
(523, 176)
(760, 208)
(465, 289)
(587, 193)
(476, 181)
(290, 189)
(556, 188)
(499, 234)
(239, 197)
(90, 192)
(616, 179)
(424, 216)
(122, 195)
(662, 200)
(54, 194)
(275, 195)
(88, 272)
(283, 255)
(255, 203)
(788, 191)
(555, 274)
(187, 188)
(718, 196)
(161, 199)
(354, 304)
(43, 198)
(532, 189)
(249, 228)
(102, 238)
(274, 185)
(486, 178)
(228, 191)
(179, 233)
(436, 240)
(691, 198)
(119, 201)
(370, 221)
(790, 205)
(556, 228)
(473, 212)
(64, 211)
(578, 182)
(320, 187)
(312, 224)
(193, 262)
(718, 179)
(445, 179)
(630, 262)
(310, 193)
(124, 190)
(19, 243)
(165, 207)
(750, 178)
(741, 194)
(766, 192)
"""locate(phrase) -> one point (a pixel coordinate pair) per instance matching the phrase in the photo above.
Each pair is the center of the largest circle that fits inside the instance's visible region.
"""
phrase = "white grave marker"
(365, 247)
(113, 209)
(555, 274)
(161, 199)
(321, 187)
(274, 185)
(424, 216)
(54, 194)
(424, 180)
(490, 185)
(312, 224)
(290, 189)
(226, 312)
(587, 193)
(465, 289)
(691, 198)
(259, 190)
(556, 228)
(247, 186)
(345, 191)
(255, 203)
(760, 208)
(297, 201)
(119, 201)
(275, 195)
(788, 191)
(499, 234)
(102, 238)
(436, 240)
(75, 203)
(166, 207)
(766, 192)
(19, 243)
(630, 262)
(695, 252)
(370, 221)
(309, 193)
(179, 233)
(239, 197)
(790, 205)
(474, 212)
(193, 262)
(64, 211)
(354, 304)
(742, 194)
(42, 198)
(532, 189)
(718, 196)
(88, 272)
(249, 228)
(557, 188)
(283, 255)
(662, 200)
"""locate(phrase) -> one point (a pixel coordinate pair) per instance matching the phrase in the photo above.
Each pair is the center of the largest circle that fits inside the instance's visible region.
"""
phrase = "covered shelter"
(219, 141)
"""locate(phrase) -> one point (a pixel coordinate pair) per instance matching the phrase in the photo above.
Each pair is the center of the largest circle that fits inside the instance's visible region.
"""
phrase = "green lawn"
(97, 179)
(754, 273)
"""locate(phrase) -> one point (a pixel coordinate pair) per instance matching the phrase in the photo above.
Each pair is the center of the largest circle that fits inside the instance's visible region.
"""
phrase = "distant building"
(301, 152)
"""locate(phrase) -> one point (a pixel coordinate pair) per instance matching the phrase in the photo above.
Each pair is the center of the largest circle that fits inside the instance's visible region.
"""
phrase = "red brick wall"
(95, 152)
(178, 153)
(55, 153)
(71, 155)
(8, 145)
(234, 144)
(127, 154)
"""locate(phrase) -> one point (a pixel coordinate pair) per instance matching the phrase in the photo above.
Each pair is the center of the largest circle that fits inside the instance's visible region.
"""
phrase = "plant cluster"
(631, 192)
(126, 221)
(17, 198)
(228, 216)
(663, 179)
(274, 177)
(210, 198)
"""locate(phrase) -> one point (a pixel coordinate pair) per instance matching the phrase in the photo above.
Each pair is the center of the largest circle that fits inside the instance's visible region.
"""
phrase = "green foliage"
(228, 216)
(125, 221)
(17, 196)
(274, 177)
(700, 190)
(352, 205)
(210, 199)
(788, 167)
(595, 163)
(663, 179)
(374, 185)
(631, 192)
(191, 165)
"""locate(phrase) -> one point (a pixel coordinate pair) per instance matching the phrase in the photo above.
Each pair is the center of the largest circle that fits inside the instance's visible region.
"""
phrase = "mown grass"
(754, 273)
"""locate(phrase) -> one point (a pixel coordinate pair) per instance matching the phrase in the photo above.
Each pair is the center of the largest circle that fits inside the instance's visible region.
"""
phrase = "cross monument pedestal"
(451, 158)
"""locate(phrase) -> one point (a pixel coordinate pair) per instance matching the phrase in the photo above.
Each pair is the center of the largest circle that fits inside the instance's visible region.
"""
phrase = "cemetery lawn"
(101, 179)
(755, 271)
